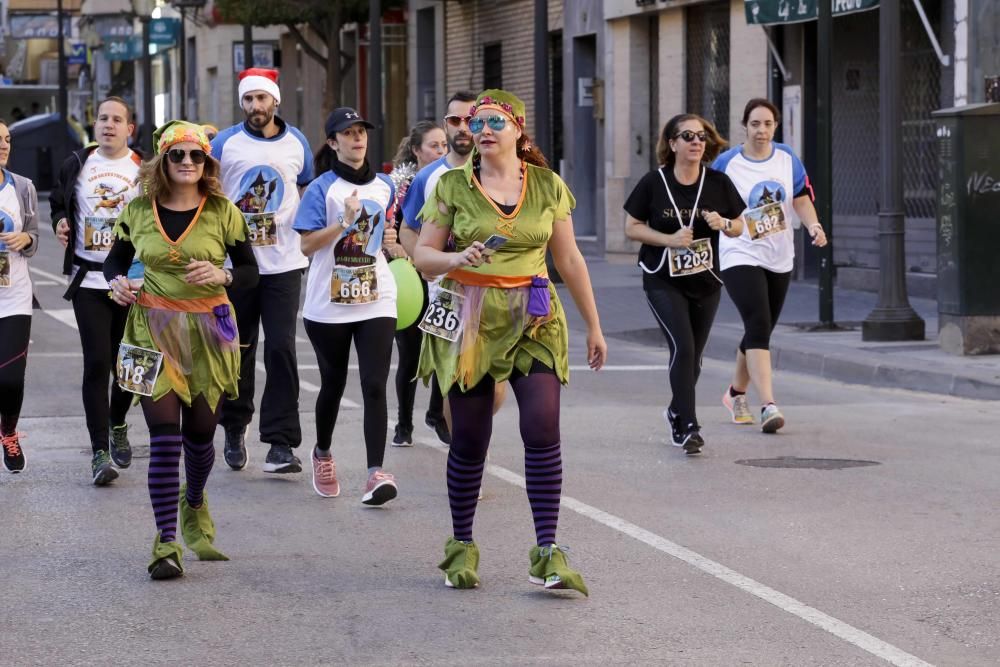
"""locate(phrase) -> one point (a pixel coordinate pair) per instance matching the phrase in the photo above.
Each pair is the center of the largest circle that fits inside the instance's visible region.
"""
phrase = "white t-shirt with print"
(103, 188)
(778, 179)
(15, 282)
(261, 176)
(323, 205)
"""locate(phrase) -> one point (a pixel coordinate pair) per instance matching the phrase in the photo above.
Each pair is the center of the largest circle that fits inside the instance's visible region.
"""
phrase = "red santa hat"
(258, 78)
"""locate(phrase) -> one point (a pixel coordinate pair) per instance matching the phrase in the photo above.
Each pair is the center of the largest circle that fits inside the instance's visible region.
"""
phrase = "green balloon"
(409, 293)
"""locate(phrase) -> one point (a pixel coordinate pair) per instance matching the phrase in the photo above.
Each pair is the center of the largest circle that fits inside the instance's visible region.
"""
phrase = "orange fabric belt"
(204, 305)
(474, 279)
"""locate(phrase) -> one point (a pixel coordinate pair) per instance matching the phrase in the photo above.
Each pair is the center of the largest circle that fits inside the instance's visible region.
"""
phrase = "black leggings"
(408, 343)
(759, 295)
(332, 343)
(101, 323)
(15, 331)
(686, 321)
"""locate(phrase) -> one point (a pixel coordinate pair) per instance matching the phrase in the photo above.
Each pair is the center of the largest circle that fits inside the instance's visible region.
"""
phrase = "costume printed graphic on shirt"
(350, 280)
(769, 187)
(262, 176)
(103, 188)
(262, 191)
(15, 281)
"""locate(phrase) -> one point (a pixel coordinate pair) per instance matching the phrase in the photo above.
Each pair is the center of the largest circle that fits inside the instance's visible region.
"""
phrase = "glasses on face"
(177, 155)
(496, 123)
(689, 136)
(456, 121)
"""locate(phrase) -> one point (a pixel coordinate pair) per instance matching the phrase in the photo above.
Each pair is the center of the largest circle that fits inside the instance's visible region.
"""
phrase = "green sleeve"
(125, 221)
(565, 201)
(234, 225)
(442, 194)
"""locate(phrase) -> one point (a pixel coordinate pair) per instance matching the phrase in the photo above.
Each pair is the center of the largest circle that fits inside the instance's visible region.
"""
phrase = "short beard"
(269, 116)
(461, 151)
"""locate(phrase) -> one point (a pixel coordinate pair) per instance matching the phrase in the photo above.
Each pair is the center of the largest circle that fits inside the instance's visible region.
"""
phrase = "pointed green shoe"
(461, 560)
(549, 568)
(166, 560)
(198, 529)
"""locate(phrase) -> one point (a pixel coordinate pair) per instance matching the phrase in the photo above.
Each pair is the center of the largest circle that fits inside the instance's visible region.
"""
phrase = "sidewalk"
(837, 355)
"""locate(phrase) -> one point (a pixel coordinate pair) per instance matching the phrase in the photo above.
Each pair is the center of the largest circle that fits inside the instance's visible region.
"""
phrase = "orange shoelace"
(11, 443)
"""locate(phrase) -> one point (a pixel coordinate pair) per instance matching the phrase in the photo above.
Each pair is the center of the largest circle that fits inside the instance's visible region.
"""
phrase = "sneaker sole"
(237, 468)
(448, 584)
(166, 569)
(773, 424)
(401, 444)
(105, 476)
(14, 471)
(380, 495)
(553, 586)
(433, 430)
(121, 465)
(325, 495)
(282, 469)
(732, 413)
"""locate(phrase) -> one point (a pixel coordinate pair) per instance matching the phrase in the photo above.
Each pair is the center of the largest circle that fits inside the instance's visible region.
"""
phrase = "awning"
(770, 12)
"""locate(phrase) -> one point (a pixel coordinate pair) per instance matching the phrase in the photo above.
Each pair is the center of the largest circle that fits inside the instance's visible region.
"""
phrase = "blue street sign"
(164, 31)
(77, 54)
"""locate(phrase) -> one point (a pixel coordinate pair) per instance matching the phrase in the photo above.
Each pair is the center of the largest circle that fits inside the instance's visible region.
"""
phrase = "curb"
(853, 367)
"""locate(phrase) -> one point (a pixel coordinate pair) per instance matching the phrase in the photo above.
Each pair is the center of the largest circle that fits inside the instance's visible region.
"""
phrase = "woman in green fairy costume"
(182, 229)
(498, 318)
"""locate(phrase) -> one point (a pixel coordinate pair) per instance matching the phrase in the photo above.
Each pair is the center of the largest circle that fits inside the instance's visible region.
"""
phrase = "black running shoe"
(690, 440)
(440, 428)
(119, 447)
(403, 436)
(281, 460)
(235, 450)
(13, 455)
(104, 473)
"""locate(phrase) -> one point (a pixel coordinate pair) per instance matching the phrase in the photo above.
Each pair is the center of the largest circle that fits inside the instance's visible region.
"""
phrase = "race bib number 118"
(137, 369)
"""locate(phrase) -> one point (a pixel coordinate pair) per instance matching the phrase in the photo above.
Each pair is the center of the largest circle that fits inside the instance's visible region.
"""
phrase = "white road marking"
(64, 315)
(836, 627)
(58, 355)
(59, 280)
(310, 387)
(44, 283)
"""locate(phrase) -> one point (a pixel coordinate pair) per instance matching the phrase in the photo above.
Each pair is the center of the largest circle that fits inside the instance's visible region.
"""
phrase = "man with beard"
(264, 148)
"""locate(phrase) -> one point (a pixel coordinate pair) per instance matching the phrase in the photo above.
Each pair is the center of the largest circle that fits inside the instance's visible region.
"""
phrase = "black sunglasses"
(177, 155)
(456, 121)
(688, 136)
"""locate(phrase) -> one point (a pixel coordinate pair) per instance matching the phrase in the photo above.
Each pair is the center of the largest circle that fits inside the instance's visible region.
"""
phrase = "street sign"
(118, 50)
(164, 31)
(770, 12)
(37, 26)
(263, 55)
(111, 27)
(77, 54)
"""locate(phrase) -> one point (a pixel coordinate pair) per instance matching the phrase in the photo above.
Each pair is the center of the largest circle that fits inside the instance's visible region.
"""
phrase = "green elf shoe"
(166, 560)
(198, 529)
(461, 560)
(549, 568)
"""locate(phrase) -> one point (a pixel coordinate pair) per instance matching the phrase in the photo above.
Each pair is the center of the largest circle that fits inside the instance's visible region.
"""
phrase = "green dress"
(498, 334)
(198, 355)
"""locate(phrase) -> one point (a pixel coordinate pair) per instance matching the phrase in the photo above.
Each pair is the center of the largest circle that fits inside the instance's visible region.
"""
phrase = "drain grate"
(814, 464)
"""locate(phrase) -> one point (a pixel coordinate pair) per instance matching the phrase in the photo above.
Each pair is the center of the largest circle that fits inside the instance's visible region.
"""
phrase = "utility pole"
(247, 45)
(182, 38)
(892, 318)
(63, 100)
(375, 155)
(824, 153)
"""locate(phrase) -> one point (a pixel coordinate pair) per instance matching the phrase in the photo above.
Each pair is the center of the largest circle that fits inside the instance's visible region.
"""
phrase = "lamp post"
(144, 11)
(374, 114)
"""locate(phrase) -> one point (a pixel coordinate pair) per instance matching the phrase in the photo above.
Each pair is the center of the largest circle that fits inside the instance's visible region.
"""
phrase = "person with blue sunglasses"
(496, 317)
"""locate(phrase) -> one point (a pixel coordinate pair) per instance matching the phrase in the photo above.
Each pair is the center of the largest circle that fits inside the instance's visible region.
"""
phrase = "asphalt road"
(690, 561)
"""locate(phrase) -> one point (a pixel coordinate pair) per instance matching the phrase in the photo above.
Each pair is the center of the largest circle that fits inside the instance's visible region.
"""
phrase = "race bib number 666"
(351, 286)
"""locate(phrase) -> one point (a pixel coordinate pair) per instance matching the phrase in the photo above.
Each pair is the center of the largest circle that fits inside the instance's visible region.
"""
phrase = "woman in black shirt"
(677, 212)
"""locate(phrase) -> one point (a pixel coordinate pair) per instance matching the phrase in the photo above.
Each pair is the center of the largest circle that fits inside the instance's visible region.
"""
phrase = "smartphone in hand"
(492, 243)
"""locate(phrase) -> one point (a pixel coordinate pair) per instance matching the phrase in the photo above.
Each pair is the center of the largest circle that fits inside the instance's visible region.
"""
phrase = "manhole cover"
(815, 464)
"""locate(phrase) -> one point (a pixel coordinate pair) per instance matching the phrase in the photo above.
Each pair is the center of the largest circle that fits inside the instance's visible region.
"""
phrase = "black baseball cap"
(342, 118)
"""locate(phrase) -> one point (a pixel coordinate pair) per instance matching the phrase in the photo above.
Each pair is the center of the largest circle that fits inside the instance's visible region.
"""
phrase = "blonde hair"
(156, 182)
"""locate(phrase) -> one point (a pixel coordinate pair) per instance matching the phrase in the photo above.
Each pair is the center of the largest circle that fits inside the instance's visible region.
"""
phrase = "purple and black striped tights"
(537, 397)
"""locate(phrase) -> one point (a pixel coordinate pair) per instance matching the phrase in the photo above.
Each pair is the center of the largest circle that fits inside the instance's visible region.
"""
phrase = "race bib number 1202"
(443, 317)
(764, 221)
(696, 258)
(352, 286)
(137, 369)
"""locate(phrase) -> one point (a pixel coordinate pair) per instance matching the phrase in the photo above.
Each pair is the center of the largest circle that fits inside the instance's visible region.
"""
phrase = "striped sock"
(164, 481)
(543, 480)
(464, 479)
(198, 462)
